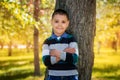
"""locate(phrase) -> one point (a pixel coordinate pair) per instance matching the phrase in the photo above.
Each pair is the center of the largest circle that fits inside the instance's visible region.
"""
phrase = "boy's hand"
(55, 53)
(57, 59)
(70, 50)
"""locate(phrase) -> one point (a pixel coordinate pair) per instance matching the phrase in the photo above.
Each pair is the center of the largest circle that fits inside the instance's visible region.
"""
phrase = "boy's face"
(59, 24)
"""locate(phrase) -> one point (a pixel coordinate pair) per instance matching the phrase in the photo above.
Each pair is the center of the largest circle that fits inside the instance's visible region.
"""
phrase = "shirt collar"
(64, 35)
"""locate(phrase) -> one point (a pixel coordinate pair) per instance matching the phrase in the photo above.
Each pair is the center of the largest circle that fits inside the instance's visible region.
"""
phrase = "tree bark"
(1, 45)
(10, 48)
(82, 14)
(36, 39)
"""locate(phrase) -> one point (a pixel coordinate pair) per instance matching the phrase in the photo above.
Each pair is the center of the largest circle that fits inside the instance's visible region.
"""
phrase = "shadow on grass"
(17, 69)
(15, 75)
(19, 74)
(4, 65)
(7, 64)
(109, 72)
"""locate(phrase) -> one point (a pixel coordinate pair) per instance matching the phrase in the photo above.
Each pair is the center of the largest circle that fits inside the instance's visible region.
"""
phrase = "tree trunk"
(3, 24)
(82, 15)
(36, 38)
(1, 45)
(10, 48)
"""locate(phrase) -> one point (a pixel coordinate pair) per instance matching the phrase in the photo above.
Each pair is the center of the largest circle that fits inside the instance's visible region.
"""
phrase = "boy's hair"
(61, 12)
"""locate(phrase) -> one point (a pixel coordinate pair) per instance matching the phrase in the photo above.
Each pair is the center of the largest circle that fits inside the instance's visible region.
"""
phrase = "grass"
(107, 65)
(20, 66)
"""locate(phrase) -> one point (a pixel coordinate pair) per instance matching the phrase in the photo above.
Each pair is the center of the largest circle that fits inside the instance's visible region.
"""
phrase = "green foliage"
(46, 4)
(15, 13)
(14, 21)
(17, 21)
(109, 1)
(107, 20)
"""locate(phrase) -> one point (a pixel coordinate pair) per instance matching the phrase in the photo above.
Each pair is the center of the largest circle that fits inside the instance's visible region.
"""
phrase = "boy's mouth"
(59, 28)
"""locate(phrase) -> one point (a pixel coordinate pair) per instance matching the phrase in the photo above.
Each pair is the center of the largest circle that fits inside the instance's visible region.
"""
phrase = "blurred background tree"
(16, 18)
(108, 24)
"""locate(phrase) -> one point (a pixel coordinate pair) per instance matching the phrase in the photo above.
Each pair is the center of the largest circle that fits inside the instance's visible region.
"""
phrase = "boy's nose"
(59, 24)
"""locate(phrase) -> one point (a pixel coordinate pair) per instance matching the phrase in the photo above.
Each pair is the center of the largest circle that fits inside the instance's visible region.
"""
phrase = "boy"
(60, 50)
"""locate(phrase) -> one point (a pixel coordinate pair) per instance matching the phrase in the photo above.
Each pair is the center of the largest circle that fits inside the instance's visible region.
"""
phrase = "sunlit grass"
(107, 65)
(20, 66)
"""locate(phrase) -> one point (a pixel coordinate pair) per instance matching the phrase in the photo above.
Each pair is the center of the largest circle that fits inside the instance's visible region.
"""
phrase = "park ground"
(20, 65)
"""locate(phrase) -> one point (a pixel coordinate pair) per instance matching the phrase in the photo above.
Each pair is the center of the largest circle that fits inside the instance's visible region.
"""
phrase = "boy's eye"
(56, 21)
(63, 21)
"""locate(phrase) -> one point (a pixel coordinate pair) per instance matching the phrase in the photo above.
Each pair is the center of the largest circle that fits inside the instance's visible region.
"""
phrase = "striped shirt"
(67, 64)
